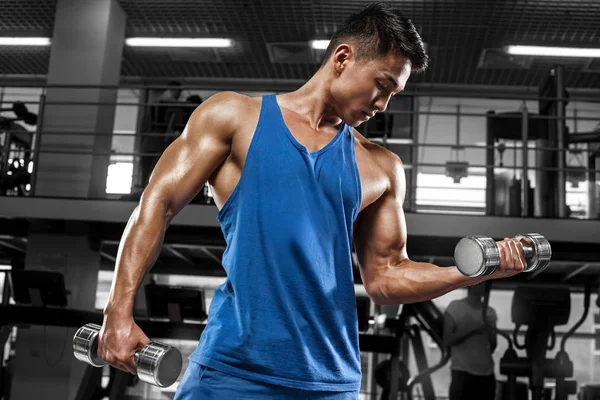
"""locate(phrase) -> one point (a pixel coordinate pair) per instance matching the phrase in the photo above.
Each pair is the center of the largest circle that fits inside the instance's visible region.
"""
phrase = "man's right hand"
(118, 340)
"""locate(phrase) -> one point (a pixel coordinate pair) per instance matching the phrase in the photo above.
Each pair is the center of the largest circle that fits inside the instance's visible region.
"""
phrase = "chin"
(352, 121)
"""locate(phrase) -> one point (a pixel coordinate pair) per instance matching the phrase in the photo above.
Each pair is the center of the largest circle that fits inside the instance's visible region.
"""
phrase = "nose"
(381, 103)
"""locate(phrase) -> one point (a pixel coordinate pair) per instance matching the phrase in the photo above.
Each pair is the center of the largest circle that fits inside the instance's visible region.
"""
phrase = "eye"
(380, 86)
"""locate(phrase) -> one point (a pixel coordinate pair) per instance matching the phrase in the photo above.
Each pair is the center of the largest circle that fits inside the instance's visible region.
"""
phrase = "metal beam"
(12, 246)
(108, 256)
(209, 254)
(177, 254)
(576, 272)
(285, 85)
(532, 275)
(12, 237)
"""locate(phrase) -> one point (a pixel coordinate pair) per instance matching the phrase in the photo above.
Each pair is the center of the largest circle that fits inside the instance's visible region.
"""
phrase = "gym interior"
(493, 144)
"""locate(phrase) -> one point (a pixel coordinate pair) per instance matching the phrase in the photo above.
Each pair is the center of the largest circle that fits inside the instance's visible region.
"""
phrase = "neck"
(313, 101)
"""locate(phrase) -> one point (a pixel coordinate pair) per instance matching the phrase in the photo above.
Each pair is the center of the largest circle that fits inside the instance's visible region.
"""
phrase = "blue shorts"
(203, 383)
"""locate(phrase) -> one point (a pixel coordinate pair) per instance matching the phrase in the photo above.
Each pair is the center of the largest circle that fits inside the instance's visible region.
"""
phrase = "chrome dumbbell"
(157, 363)
(480, 255)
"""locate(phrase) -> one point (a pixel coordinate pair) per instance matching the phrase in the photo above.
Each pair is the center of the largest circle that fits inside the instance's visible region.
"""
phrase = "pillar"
(45, 367)
(87, 46)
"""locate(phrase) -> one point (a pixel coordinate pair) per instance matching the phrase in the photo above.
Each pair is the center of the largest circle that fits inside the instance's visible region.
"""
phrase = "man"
(472, 342)
(295, 183)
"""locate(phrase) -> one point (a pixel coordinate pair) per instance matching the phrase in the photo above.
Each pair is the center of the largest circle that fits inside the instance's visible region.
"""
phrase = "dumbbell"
(157, 363)
(480, 255)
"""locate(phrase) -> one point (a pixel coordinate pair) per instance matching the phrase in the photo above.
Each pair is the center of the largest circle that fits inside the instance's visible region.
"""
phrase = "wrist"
(118, 310)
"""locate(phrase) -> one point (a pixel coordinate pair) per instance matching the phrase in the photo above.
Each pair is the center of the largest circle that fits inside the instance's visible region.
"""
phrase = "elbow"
(390, 288)
(154, 204)
(380, 301)
(377, 292)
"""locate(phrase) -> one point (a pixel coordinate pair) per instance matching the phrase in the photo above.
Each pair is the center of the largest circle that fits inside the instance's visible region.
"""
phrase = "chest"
(372, 179)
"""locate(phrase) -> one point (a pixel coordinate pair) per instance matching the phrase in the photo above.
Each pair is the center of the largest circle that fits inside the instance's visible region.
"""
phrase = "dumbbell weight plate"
(537, 251)
(85, 345)
(158, 364)
(477, 256)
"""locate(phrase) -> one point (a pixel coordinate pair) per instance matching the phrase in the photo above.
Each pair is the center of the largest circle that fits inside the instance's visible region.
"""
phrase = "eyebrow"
(392, 80)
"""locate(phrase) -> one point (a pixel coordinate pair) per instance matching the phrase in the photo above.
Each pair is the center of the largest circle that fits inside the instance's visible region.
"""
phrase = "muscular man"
(472, 342)
(295, 185)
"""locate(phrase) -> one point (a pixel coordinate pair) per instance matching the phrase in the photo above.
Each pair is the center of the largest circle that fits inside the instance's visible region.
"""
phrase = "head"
(174, 90)
(371, 58)
(194, 99)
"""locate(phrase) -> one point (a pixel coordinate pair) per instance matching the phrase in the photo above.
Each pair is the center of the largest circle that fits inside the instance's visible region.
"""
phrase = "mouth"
(367, 115)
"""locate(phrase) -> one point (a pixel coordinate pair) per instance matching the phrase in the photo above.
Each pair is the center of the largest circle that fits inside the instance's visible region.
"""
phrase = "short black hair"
(377, 30)
(194, 99)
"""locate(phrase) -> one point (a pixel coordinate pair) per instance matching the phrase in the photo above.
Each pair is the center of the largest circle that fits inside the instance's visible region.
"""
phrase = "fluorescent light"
(319, 44)
(24, 41)
(177, 42)
(553, 51)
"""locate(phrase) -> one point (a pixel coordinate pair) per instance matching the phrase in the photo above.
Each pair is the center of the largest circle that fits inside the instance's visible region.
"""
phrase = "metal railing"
(47, 159)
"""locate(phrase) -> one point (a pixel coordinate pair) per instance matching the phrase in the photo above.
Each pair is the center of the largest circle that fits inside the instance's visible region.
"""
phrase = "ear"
(341, 57)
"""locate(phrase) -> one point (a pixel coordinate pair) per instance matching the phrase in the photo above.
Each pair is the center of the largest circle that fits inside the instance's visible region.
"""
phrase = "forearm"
(413, 282)
(458, 337)
(138, 250)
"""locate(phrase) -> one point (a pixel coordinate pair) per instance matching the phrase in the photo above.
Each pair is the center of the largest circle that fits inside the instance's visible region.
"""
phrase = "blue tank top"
(286, 314)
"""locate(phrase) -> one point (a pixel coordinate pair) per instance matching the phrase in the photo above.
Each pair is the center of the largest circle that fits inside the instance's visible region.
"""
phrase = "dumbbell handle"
(156, 363)
(528, 251)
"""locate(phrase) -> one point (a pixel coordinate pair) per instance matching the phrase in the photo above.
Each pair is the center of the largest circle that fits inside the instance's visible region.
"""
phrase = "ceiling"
(464, 38)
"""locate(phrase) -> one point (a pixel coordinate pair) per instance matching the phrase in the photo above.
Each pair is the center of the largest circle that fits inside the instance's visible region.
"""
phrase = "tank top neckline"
(295, 141)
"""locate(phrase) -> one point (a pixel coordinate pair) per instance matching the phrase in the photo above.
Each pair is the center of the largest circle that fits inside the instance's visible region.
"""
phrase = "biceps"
(380, 238)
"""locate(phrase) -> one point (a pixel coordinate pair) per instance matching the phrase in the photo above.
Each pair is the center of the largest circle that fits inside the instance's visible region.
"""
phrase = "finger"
(522, 262)
(505, 256)
(129, 364)
(510, 255)
(127, 368)
(143, 342)
(132, 365)
(517, 261)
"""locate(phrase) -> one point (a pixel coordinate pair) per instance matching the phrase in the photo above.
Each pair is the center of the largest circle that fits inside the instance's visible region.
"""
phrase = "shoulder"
(229, 105)
(224, 112)
(388, 162)
(386, 159)
(453, 306)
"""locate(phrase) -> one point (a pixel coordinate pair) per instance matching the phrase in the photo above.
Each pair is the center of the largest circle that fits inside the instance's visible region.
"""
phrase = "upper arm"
(493, 325)
(380, 232)
(449, 325)
(492, 317)
(187, 163)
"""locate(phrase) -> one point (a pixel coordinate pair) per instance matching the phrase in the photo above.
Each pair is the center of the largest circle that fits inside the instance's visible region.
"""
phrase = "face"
(364, 88)
(175, 93)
